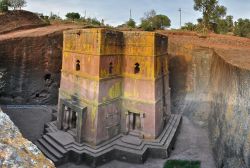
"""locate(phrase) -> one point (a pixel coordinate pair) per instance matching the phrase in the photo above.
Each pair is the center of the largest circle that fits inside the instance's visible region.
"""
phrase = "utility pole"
(85, 14)
(180, 16)
(130, 16)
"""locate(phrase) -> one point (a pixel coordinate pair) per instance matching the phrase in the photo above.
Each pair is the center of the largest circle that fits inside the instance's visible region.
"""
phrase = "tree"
(131, 23)
(151, 21)
(242, 28)
(4, 5)
(210, 9)
(54, 16)
(73, 16)
(224, 26)
(189, 26)
(161, 21)
(230, 23)
(95, 21)
(17, 4)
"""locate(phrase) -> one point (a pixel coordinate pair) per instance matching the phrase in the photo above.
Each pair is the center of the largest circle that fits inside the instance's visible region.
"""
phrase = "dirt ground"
(192, 142)
(30, 120)
(37, 32)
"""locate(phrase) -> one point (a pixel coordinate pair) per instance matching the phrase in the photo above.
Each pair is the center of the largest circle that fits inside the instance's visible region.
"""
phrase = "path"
(41, 31)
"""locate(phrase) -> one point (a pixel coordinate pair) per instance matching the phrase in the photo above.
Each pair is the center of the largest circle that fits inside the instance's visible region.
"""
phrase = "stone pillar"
(142, 116)
(66, 118)
(70, 120)
(79, 127)
(60, 114)
(127, 122)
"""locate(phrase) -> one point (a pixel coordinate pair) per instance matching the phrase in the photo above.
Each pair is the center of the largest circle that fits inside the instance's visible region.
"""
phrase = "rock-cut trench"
(211, 93)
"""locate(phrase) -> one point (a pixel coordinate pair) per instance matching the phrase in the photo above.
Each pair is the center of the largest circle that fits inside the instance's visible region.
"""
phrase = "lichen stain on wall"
(93, 117)
(115, 90)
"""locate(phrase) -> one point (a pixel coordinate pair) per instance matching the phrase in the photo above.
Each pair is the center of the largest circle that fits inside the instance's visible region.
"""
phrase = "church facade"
(113, 82)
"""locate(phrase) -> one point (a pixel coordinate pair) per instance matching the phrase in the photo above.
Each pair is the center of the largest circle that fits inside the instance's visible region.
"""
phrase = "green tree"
(224, 26)
(151, 21)
(131, 23)
(4, 5)
(17, 4)
(211, 11)
(230, 23)
(189, 26)
(242, 28)
(73, 16)
(54, 16)
(161, 21)
(94, 21)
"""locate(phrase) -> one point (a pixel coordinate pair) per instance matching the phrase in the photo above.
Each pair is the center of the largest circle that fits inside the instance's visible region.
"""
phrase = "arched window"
(137, 68)
(78, 66)
(110, 68)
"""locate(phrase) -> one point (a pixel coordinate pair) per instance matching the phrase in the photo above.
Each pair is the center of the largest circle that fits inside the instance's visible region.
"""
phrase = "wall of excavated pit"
(30, 69)
(229, 121)
(215, 94)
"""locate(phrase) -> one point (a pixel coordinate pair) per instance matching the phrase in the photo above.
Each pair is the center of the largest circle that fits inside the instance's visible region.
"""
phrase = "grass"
(182, 164)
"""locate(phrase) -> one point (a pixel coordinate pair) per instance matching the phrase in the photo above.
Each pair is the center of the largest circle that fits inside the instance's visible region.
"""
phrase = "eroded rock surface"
(19, 19)
(15, 151)
(210, 81)
(30, 65)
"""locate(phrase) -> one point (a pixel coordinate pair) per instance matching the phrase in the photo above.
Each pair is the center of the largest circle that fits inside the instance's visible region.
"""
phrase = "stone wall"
(229, 121)
(30, 69)
(214, 94)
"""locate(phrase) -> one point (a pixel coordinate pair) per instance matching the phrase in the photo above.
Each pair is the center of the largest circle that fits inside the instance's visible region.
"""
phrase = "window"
(110, 68)
(137, 68)
(78, 66)
(47, 77)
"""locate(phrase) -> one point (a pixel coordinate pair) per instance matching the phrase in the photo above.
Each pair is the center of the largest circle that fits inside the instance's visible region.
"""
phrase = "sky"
(116, 12)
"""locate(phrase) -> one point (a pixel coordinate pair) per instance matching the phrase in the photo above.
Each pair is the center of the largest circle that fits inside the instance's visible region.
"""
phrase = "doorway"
(69, 120)
(134, 122)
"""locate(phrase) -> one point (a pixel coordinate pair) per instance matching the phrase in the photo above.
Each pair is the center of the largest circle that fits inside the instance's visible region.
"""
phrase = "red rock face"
(210, 84)
(31, 68)
(19, 19)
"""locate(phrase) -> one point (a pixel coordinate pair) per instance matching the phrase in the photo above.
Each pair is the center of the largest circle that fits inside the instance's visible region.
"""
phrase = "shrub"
(182, 164)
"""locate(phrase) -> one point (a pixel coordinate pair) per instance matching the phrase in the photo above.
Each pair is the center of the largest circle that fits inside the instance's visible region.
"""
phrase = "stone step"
(47, 130)
(163, 143)
(55, 144)
(135, 133)
(131, 147)
(167, 134)
(54, 116)
(72, 132)
(51, 127)
(109, 142)
(171, 120)
(50, 148)
(47, 153)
